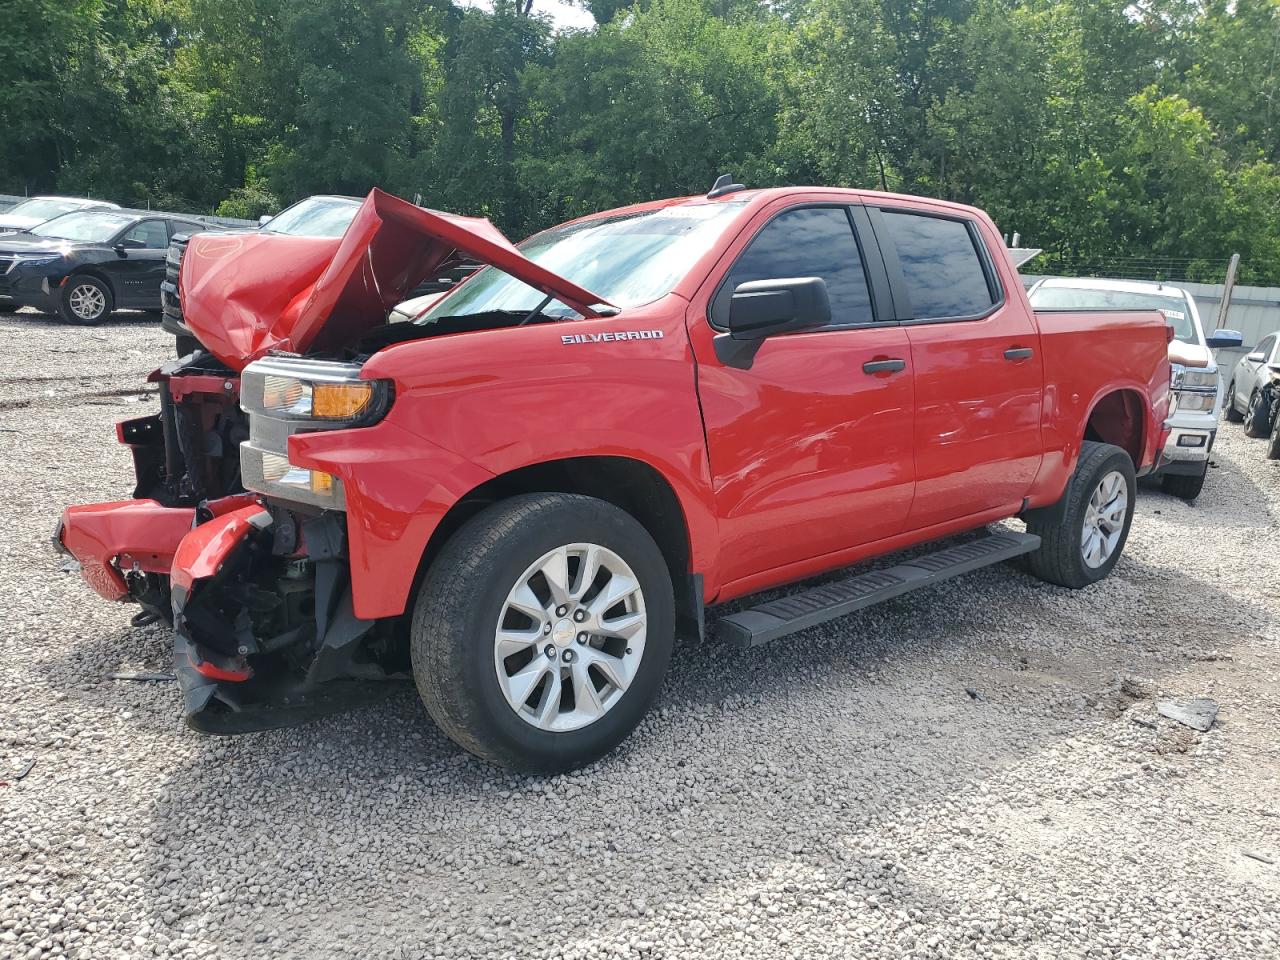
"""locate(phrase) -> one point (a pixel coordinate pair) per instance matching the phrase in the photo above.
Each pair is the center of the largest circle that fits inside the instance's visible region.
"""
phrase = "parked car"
(1251, 391)
(83, 265)
(523, 495)
(320, 216)
(1184, 463)
(37, 210)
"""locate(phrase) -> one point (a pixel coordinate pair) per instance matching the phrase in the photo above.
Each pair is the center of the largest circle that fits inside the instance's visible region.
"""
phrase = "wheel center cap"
(564, 633)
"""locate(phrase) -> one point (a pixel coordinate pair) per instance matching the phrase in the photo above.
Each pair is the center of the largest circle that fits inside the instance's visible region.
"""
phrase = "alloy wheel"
(570, 637)
(87, 301)
(1104, 519)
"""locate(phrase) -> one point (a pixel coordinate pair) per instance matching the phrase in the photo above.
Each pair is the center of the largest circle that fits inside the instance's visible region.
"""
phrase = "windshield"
(42, 208)
(96, 227)
(628, 259)
(314, 217)
(1176, 310)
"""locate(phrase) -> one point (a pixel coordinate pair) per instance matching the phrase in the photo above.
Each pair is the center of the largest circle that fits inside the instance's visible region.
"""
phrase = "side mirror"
(1256, 357)
(264, 220)
(766, 308)
(123, 247)
(1224, 338)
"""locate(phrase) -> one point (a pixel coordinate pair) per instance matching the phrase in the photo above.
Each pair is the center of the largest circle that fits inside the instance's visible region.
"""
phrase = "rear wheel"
(1257, 418)
(542, 631)
(1082, 536)
(85, 300)
(1229, 411)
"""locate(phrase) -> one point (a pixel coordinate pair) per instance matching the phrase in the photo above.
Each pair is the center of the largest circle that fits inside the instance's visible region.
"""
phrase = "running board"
(769, 621)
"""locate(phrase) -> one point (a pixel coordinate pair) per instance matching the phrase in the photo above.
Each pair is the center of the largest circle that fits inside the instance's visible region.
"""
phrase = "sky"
(566, 15)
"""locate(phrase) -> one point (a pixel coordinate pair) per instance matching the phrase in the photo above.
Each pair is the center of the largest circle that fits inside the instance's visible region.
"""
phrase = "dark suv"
(85, 264)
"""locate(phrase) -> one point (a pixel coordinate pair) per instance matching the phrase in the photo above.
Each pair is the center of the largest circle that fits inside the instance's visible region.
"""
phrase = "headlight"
(21, 261)
(1196, 401)
(318, 392)
(286, 396)
(1203, 379)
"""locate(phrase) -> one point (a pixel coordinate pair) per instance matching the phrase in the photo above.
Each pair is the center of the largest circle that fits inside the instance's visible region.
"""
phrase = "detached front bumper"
(260, 601)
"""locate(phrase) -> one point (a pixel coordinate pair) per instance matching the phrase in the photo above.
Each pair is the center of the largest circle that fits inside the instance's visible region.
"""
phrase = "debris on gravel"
(1198, 714)
(828, 796)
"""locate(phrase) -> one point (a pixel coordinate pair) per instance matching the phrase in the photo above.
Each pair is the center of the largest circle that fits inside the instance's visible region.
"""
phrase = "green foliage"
(1100, 131)
(657, 105)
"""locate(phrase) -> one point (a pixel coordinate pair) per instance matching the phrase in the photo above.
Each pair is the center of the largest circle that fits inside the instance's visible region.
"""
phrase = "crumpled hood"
(244, 294)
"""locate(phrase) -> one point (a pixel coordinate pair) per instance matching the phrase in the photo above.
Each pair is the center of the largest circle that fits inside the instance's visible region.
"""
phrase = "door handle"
(884, 366)
(1018, 353)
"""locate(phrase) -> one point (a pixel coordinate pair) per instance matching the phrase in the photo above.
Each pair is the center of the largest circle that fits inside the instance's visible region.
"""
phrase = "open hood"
(244, 294)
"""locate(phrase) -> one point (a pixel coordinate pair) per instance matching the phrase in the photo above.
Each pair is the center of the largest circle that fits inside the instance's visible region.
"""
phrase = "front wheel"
(1229, 411)
(1257, 418)
(1273, 445)
(542, 631)
(1183, 486)
(1083, 535)
(85, 300)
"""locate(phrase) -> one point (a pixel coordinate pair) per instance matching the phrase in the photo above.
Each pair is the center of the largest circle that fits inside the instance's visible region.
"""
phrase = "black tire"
(1257, 418)
(464, 593)
(1183, 486)
(76, 287)
(1273, 443)
(1229, 411)
(1060, 527)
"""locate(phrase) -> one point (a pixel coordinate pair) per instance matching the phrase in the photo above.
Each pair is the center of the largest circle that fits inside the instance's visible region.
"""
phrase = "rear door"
(138, 266)
(979, 377)
(810, 448)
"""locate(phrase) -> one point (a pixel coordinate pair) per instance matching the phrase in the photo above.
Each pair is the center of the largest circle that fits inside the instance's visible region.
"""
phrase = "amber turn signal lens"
(321, 482)
(340, 401)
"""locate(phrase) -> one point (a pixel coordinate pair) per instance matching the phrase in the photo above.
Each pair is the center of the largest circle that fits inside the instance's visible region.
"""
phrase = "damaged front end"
(243, 554)
(264, 633)
(244, 549)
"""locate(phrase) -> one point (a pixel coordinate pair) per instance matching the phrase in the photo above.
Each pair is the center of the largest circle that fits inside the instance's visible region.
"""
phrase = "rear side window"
(808, 242)
(944, 274)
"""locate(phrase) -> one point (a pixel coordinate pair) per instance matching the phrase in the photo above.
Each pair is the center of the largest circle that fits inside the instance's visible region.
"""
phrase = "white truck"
(1196, 381)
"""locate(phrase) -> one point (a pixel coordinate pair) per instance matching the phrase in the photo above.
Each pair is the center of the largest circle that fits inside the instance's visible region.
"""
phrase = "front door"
(979, 375)
(810, 447)
(138, 269)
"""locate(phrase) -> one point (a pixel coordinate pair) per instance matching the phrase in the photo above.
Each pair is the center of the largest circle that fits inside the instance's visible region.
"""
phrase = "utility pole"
(1225, 305)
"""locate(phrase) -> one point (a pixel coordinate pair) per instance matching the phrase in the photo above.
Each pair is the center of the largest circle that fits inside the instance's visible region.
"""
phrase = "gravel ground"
(837, 794)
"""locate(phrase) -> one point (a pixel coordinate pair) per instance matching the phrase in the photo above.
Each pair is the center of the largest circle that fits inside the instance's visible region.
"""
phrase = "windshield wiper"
(536, 310)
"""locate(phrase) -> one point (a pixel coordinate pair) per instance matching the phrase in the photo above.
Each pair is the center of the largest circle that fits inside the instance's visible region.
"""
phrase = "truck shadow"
(874, 709)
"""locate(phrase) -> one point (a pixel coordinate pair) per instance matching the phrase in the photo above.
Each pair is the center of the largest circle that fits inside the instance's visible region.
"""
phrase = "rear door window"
(944, 272)
(806, 242)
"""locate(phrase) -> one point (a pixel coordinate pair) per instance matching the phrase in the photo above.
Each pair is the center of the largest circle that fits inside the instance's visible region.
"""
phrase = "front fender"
(398, 488)
(473, 406)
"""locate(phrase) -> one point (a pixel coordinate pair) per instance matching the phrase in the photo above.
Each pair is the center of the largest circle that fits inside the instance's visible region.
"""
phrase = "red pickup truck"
(522, 497)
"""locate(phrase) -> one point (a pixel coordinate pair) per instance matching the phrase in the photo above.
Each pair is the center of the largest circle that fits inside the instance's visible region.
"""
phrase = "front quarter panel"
(472, 406)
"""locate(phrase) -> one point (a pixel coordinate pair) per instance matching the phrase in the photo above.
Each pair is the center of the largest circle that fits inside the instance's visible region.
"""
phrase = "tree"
(655, 104)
